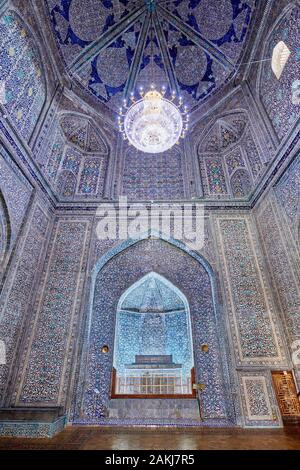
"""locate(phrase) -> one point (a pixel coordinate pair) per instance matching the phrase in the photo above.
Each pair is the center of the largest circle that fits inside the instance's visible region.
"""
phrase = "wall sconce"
(105, 349)
(204, 347)
(200, 387)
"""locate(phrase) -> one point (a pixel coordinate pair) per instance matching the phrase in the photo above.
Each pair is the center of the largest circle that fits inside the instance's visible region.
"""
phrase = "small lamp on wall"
(280, 56)
(200, 387)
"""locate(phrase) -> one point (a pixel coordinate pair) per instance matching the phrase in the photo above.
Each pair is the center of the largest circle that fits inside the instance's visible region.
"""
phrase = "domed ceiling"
(112, 47)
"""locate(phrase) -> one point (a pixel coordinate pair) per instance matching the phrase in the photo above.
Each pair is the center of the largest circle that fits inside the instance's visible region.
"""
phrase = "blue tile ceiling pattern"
(229, 157)
(75, 157)
(118, 275)
(107, 46)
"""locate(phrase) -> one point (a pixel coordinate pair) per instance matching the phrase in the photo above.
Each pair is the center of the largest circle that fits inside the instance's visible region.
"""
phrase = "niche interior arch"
(281, 112)
(153, 353)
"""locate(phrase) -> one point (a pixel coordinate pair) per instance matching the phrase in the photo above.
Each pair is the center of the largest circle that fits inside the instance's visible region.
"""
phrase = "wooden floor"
(95, 438)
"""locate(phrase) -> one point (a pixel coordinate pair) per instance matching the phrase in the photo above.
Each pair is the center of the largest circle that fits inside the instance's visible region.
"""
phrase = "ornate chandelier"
(153, 123)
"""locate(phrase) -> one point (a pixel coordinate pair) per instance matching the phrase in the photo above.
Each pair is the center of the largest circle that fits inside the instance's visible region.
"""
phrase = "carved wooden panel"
(286, 393)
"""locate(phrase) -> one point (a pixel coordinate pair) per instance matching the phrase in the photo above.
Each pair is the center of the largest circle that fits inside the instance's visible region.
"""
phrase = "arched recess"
(76, 144)
(227, 145)
(23, 74)
(5, 233)
(112, 275)
(288, 195)
(80, 131)
(153, 353)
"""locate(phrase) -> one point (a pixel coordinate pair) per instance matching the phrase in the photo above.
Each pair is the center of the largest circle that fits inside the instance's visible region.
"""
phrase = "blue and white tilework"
(287, 192)
(16, 191)
(196, 283)
(229, 157)
(22, 72)
(251, 312)
(281, 97)
(158, 176)
(258, 400)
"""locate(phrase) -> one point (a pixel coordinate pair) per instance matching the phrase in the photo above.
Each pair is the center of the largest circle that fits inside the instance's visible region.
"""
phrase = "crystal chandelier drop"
(153, 123)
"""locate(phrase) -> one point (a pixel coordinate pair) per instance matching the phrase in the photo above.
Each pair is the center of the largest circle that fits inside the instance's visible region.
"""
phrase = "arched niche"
(153, 352)
(227, 146)
(113, 275)
(81, 132)
(78, 157)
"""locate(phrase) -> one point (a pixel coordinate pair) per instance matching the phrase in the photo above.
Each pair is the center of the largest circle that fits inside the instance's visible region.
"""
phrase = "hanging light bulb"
(153, 123)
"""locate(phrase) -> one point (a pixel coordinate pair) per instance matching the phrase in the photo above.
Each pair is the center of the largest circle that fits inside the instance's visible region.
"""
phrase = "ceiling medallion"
(153, 123)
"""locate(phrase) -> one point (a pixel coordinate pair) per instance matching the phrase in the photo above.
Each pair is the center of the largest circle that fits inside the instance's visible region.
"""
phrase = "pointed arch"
(234, 121)
(80, 131)
(111, 276)
(149, 277)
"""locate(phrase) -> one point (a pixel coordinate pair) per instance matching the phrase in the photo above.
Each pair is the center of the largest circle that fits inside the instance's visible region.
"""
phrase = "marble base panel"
(131, 408)
(31, 429)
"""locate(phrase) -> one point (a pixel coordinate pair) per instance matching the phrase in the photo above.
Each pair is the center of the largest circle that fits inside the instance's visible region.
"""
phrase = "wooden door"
(286, 393)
